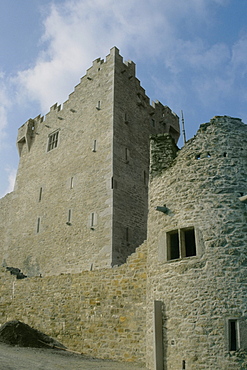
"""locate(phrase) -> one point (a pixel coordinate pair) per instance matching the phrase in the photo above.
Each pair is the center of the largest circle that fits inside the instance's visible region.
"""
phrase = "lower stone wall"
(99, 313)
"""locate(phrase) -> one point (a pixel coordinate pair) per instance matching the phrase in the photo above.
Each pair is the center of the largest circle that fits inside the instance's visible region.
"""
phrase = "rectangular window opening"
(189, 242)
(126, 154)
(40, 194)
(92, 219)
(173, 245)
(38, 225)
(71, 182)
(233, 335)
(181, 243)
(94, 146)
(52, 141)
(69, 216)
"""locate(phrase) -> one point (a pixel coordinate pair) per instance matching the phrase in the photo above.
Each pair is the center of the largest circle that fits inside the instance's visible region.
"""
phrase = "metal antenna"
(183, 128)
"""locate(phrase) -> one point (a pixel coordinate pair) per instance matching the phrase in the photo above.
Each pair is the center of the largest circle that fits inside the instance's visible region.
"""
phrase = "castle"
(130, 253)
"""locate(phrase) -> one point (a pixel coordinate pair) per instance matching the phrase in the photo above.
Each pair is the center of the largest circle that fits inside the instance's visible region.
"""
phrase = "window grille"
(52, 141)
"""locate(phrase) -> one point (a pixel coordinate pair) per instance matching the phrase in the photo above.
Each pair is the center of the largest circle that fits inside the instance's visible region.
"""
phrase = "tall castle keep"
(176, 297)
(81, 195)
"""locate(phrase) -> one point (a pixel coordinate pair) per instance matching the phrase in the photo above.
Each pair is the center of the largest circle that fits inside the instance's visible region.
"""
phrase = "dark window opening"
(69, 216)
(181, 243)
(52, 141)
(38, 225)
(190, 243)
(93, 220)
(126, 155)
(94, 146)
(232, 335)
(40, 194)
(173, 245)
(71, 182)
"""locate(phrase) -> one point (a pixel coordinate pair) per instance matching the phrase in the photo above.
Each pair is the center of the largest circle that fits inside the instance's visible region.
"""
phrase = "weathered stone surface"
(81, 208)
(99, 313)
(200, 293)
(83, 205)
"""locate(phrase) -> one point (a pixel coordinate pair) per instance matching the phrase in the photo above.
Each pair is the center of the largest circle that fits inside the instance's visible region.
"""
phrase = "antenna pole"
(183, 128)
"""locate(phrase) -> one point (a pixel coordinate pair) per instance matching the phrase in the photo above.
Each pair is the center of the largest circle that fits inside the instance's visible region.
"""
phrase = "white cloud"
(78, 31)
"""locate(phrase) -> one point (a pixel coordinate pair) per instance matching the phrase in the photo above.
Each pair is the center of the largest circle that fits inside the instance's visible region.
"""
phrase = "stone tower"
(81, 196)
(197, 250)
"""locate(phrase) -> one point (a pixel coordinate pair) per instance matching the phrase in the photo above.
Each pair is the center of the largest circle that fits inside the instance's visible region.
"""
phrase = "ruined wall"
(201, 292)
(99, 313)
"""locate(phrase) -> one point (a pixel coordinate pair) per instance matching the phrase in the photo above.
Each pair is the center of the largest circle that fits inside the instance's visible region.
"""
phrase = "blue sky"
(190, 55)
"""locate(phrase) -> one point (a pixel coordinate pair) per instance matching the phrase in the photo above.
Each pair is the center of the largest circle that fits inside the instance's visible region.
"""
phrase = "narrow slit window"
(126, 155)
(98, 105)
(38, 225)
(92, 220)
(233, 335)
(71, 182)
(94, 146)
(69, 216)
(40, 194)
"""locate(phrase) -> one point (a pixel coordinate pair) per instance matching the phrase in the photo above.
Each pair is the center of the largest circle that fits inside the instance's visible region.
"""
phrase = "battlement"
(101, 71)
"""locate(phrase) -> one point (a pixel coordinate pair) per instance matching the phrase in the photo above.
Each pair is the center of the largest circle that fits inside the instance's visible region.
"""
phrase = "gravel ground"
(21, 358)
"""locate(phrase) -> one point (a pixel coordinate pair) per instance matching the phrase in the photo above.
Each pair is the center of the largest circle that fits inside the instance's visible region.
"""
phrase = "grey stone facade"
(178, 301)
(202, 286)
(81, 194)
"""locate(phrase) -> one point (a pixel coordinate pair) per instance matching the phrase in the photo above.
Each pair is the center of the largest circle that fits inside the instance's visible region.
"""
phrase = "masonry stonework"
(203, 190)
(77, 219)
(99, 313)
(81, 194)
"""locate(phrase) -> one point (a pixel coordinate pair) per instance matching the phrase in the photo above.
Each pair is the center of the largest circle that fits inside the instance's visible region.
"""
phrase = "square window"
(181, 243)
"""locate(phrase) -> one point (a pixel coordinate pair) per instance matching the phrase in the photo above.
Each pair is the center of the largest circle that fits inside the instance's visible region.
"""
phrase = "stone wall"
(200, 293)
(99, 313)
(83, 204)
